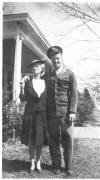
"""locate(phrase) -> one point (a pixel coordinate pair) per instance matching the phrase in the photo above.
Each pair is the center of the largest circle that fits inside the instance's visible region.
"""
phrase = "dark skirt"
(32, 128)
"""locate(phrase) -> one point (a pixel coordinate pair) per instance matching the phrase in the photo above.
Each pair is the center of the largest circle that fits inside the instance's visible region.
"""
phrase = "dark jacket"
(34, 103)
(61, 94)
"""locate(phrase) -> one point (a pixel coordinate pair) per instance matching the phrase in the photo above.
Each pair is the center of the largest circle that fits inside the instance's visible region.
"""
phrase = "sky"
(82, 56)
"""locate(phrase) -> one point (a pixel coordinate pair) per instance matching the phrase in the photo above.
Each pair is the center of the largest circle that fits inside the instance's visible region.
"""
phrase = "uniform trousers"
(61, 132)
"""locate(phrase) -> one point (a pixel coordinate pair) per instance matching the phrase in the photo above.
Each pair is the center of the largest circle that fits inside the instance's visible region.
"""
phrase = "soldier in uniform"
(61, 109)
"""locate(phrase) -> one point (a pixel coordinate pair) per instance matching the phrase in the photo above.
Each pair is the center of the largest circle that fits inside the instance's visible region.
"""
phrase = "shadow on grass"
(19, 165)
(47, 167)
(14, 165)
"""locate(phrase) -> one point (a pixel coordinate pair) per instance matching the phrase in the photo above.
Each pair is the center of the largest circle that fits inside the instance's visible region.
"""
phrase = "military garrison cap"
(54, 50)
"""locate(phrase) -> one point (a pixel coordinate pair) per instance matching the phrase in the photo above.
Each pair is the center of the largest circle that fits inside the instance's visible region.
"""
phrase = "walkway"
(87, 132)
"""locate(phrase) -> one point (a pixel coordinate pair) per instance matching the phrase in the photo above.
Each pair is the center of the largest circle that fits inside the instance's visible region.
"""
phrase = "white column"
(17, 68)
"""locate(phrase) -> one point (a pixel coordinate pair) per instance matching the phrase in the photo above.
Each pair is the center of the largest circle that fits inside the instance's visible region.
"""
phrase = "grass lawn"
(86, 161)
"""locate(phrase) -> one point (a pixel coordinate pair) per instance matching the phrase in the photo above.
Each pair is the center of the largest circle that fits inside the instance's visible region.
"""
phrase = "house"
(22, 42)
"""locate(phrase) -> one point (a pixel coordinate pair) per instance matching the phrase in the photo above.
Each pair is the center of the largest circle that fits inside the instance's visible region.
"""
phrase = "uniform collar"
(59, 70)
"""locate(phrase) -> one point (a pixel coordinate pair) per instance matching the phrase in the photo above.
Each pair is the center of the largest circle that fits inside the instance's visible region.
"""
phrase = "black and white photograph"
(50, 89)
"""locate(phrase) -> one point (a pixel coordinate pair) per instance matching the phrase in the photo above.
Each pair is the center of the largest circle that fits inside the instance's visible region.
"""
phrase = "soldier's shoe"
(56, 171)
(69, 172)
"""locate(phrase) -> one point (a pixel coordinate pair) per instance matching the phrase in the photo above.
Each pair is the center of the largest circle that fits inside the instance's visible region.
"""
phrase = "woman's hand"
(23, 80)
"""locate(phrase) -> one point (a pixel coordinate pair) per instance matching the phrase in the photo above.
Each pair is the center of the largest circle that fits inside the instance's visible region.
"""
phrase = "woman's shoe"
(32, 165)
(38, 166)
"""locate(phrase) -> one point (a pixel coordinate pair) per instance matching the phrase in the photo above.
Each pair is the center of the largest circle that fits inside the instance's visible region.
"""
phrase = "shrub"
(12, 114)
(5, 96)
(84, 109)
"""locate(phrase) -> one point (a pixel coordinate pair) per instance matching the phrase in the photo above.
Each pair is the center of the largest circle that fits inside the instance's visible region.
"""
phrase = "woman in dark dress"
(33, 91)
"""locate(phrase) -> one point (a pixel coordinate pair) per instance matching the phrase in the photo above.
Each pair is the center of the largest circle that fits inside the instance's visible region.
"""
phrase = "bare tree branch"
(81, 13)
(92, 10)
(91, 29)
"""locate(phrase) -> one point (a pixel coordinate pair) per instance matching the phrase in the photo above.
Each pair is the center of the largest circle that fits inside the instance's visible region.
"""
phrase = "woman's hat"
(54, 50)
(36, 61)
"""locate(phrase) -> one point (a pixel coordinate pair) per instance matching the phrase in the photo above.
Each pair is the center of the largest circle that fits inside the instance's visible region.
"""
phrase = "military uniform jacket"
(61, 93)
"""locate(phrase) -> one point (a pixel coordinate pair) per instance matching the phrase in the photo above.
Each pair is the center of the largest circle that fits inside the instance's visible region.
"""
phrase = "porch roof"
(30, 33)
